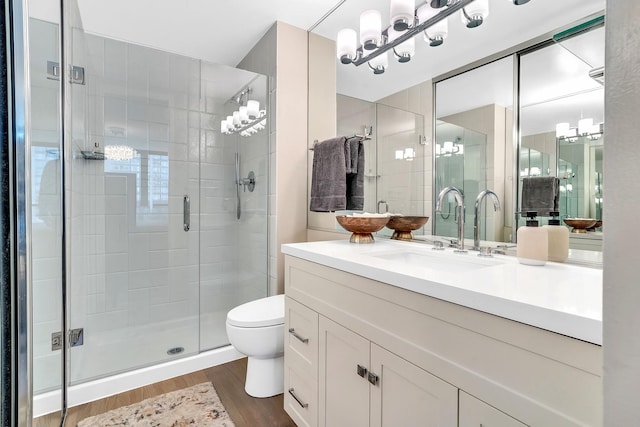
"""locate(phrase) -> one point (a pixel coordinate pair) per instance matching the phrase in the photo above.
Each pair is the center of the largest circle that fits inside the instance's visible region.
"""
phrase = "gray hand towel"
(355, 175)
(328, 177)
(540, 194)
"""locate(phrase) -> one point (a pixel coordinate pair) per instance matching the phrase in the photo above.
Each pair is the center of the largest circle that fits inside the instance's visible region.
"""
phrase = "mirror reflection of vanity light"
(448, 148)
(407, 154)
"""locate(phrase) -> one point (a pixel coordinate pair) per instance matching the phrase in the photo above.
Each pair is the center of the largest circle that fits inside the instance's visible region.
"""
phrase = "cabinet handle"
(362, 371)
(293, 332)
(304, 405)
(373, 378)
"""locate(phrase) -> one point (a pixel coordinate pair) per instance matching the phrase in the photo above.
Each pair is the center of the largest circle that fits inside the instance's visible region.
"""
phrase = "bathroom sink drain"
(175, 350)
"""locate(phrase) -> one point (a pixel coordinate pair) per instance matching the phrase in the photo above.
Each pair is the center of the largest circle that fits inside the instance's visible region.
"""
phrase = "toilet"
(256, 329)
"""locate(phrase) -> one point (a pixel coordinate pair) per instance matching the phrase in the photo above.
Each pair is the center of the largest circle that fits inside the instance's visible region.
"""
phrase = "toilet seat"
(259, 313)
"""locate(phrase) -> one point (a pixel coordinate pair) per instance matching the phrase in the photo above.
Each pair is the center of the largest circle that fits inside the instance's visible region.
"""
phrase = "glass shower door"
(234, 217)
(134, 208)
(460, 162)
(401, 186)
(46, 202)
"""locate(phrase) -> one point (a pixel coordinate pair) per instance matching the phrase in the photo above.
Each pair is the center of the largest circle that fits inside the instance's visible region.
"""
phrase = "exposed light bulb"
(405, 50)
(562, 129)
(370, 29)
(253, 109)
(475, 13)
(436, 33)
(380, 63)
(346, 45)
(584, 126)
(402, 14)
(244, 117)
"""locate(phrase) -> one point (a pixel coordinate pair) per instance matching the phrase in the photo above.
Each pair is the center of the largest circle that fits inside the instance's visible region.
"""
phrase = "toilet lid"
(255, 314)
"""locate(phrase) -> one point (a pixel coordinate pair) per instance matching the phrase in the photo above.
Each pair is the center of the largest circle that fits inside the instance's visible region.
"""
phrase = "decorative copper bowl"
(580, 225)
(361, 227)
(598, 224)
(402, 226)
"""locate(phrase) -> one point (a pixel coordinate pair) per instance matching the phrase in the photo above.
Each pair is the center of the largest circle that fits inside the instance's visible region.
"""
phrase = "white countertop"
(562, 298)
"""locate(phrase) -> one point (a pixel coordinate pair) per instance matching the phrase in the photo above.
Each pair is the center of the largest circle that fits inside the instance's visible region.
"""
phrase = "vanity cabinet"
(387, 356)
(301, 364)
(476, 413)
(362, 384)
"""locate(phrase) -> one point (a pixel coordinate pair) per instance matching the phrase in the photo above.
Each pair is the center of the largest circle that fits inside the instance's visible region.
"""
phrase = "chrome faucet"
(459, 196)
(476, 213)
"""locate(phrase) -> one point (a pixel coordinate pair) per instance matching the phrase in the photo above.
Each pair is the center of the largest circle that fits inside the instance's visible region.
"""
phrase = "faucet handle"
(485, 252)
(437, 245)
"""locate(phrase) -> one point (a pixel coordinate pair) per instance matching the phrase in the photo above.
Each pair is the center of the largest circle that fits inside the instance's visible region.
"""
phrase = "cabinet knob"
(293, 332)
(362, 371)
(373, 378)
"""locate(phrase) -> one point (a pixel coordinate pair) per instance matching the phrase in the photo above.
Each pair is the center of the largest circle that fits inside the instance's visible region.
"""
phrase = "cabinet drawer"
(301, 338)
(300, 397)
(476, 413)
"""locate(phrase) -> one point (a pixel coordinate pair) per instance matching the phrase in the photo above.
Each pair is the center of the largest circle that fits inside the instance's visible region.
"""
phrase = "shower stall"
(148, 223)
(460, 161)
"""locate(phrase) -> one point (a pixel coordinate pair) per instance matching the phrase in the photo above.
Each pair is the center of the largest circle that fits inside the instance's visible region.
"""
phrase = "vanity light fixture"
(430, 18)
(585, 128)
(449, 147)
(407, 154)
(247, 119)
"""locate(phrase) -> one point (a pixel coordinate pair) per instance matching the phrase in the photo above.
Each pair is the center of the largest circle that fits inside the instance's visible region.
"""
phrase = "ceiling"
(224, 32)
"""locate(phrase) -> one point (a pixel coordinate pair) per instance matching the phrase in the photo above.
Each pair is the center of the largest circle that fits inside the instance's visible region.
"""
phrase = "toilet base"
(265, 377)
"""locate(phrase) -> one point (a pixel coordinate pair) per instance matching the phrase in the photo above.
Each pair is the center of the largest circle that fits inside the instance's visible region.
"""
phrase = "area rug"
(194, 406)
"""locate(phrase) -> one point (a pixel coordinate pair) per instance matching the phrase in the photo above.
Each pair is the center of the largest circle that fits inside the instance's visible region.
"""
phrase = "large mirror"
(561, 117)
(474, 148)
(457, 151)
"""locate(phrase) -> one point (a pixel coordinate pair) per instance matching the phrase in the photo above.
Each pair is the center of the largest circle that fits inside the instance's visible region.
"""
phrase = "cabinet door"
(409, 396)
(476, 413)
(343, 393)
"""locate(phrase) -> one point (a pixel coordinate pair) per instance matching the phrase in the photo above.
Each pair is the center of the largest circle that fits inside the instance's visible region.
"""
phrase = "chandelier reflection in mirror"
(248, 119)
(449, 147)
(429, 19)
(586, 128)
(119, 152)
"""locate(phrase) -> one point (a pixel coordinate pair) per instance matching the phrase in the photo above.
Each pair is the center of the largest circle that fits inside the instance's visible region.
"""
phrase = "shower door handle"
(186, 212)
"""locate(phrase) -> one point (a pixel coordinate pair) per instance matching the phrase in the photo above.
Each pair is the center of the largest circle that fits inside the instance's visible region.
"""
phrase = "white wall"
(621, 318)
(281, 54)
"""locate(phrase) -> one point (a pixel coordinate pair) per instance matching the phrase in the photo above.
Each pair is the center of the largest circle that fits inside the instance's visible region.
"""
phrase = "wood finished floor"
(228, 380)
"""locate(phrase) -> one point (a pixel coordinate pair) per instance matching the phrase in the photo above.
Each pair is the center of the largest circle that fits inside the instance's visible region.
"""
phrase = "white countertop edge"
(561, 322)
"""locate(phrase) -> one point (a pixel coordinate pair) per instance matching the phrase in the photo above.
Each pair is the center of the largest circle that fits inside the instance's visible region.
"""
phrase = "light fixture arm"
(411, 32)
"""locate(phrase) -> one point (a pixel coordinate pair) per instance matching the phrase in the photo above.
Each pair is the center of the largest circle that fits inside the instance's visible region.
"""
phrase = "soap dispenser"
(558, 238)
(533, 242)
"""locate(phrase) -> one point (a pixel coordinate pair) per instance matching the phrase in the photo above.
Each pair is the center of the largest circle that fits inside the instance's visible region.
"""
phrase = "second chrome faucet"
(476, 214)
(459, 197)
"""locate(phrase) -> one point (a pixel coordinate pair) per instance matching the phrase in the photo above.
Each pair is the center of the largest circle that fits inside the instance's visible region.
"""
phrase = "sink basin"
(446, 262)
